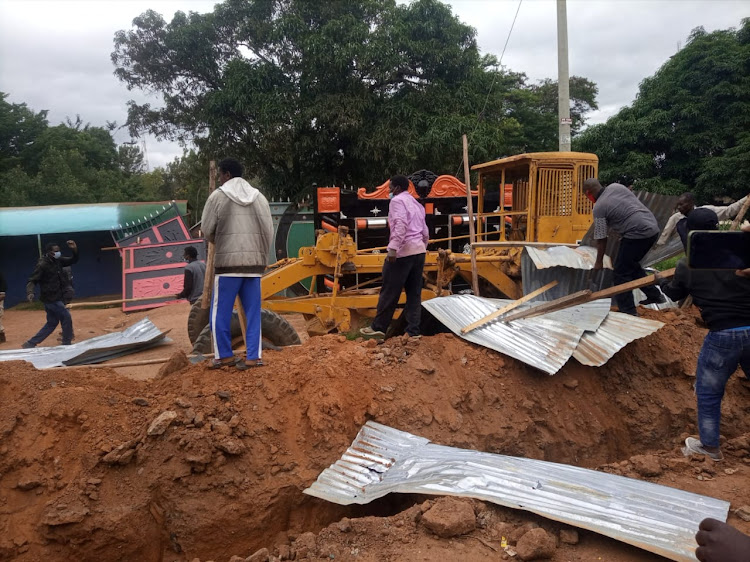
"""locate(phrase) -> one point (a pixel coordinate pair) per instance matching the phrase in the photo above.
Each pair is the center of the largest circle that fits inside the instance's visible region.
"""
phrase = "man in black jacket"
(52, 281)
(724, 301)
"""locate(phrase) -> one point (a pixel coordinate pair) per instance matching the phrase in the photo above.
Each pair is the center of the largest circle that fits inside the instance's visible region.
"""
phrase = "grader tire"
(277, 332)
(198, 320)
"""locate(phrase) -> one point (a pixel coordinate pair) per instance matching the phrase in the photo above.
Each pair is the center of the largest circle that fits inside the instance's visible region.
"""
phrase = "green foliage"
(668, 263)
(689, 127)
(333, 93)
(69, 163)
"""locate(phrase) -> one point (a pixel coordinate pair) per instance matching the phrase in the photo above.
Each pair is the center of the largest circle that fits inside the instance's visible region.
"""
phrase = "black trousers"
(405, 273)
(628, 268)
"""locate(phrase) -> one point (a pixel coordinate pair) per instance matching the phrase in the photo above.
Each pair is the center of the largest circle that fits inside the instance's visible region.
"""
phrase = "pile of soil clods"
(212, 464)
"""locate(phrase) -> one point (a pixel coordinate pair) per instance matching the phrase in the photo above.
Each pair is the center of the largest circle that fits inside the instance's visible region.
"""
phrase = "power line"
(494, 77)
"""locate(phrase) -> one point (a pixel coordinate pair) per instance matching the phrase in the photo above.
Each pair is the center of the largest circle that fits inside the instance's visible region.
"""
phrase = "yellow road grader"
(547, 208)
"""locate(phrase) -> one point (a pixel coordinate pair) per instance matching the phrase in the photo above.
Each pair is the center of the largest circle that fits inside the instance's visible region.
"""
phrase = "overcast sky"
(55, 54)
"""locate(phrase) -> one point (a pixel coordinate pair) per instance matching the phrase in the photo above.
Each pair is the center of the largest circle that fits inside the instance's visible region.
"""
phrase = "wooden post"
(470, 212)
(741, 215)
(508, 308)
(208, 281)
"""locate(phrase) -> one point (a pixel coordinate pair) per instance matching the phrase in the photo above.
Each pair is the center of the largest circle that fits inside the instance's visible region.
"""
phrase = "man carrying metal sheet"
(403, 268)
(724, 301)
(53, 282)
(685, 206)
(618, 208)
(237, 219)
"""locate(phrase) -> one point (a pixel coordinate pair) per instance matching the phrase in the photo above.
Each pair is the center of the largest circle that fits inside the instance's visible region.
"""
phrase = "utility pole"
(563, 80)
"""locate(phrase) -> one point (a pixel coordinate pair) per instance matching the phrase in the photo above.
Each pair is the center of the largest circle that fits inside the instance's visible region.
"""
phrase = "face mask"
(390, 195)
(591, 197)
(57, 255)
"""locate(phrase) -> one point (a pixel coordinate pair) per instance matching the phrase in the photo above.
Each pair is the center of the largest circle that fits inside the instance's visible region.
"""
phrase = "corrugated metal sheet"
(540, 342)
(656, 518)
(663, 207)
(587, 316)
(617, 331)
(569, 280)
(139, 336)
(582, 257)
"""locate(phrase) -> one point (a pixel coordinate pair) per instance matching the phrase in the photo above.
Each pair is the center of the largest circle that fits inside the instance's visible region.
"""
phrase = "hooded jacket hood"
(240, 191)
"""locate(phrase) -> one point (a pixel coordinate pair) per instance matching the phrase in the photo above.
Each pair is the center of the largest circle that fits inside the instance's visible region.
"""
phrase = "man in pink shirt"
(403, 267)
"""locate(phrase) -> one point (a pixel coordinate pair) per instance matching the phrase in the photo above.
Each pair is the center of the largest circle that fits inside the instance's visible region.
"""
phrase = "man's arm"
(209, 219)
(601, 229)
(679, 286)
(65, 262)
(36, 275)
(397, 224)
(728, 212)
(669, 228)
(187, 285)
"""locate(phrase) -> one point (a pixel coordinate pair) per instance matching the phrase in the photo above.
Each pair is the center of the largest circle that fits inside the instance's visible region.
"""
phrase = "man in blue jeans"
(724, 300)
(53, 282)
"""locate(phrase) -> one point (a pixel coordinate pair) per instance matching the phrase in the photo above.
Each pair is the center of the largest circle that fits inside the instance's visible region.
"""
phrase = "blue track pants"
(226, 290)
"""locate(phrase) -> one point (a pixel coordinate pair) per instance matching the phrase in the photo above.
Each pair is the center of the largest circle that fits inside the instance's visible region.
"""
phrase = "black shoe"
(28, 345)
(660, 300)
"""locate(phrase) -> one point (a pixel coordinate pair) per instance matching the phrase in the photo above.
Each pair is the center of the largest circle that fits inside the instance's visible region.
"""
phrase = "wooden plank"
(117, 301)
(470, 212)
(508, 308)
(631, 285)
(551, 306)
(506, 244)
(208, 281)
(583, 297)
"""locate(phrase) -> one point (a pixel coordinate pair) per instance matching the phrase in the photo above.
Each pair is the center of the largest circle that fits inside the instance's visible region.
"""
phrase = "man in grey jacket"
(237, 219)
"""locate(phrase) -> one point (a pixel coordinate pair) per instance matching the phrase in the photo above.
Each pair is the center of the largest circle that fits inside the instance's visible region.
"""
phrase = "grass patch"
(668, 263)
(34, 305)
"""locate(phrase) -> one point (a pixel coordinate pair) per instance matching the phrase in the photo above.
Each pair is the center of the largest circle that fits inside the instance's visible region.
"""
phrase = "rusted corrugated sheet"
(617, 331)
(656, 518)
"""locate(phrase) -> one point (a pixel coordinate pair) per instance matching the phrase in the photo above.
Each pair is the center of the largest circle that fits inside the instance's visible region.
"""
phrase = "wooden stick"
(505, 244)
(551, 306)
(208, 281)
(741, 215)
(583, 297)
(508, 308)
(118, 301)
(470, 212)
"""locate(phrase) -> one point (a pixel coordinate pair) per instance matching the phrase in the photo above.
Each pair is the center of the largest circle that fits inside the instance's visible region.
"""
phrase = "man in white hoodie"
(237, 219)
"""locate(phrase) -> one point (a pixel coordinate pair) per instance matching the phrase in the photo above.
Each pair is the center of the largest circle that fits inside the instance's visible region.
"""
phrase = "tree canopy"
(71, 162)
(689, 127)
(333, 93)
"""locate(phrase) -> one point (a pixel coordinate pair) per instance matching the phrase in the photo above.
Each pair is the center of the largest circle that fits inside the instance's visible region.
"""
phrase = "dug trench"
(209, 464)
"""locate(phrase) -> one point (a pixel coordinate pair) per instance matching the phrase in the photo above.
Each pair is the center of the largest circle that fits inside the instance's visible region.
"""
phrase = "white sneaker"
(693, 446)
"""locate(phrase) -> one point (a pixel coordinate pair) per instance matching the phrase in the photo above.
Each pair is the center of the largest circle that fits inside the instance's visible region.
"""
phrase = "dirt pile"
(211, 464)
